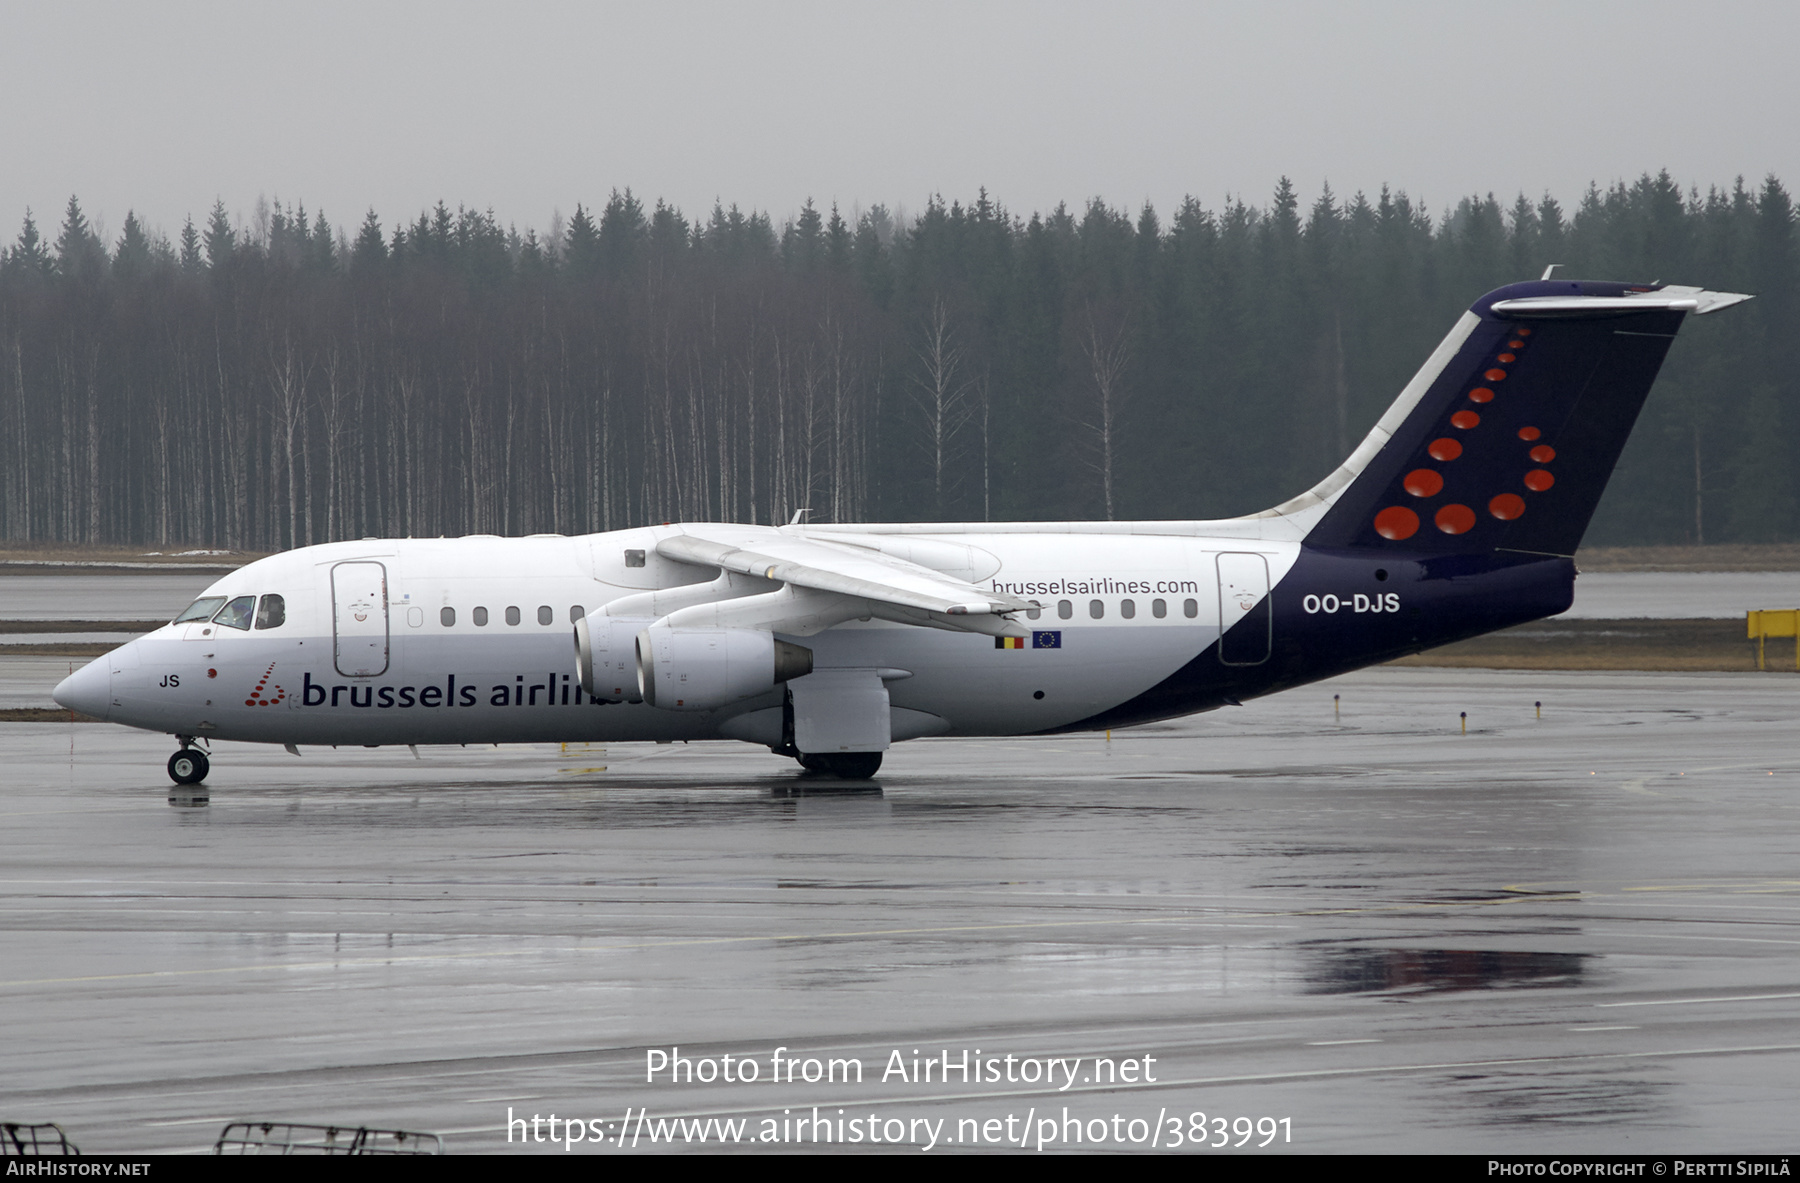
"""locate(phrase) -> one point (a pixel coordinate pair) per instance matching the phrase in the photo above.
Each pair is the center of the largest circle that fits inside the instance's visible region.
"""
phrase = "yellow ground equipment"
(1774, 622)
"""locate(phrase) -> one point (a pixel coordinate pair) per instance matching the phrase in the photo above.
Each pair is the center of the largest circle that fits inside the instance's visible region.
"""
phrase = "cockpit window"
(237, 613)
(272, 612)
(201, 609)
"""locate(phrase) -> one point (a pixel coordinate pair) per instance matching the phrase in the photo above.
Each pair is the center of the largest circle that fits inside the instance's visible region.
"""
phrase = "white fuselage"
(346, 666)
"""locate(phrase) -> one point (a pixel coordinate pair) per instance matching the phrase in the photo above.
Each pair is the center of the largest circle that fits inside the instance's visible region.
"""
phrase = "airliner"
(1459, 514)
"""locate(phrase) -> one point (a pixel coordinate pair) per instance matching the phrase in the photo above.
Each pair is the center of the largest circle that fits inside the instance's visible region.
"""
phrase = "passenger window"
(1064, 609)
(1035, 611)
(1128, 609)
(1159, 608)
(271, 612)
(1096, 609)
(1190, 608)
(576, 612)
(512, 615)
(546, 614)
(447, 617)
(201, 609)
(237, 613)
(480, 617)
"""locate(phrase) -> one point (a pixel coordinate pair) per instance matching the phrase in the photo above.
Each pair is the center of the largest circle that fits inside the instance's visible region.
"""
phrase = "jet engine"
(697, 669)
(606, 656)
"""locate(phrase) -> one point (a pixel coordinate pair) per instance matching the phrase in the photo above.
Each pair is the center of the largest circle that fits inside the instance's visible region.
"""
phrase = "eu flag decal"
(1009, 642)
(1047, 639)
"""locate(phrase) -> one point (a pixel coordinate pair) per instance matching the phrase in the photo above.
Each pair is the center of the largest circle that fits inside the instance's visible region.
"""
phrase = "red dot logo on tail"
(1455, 519)
(1396, 523)
(1507, 506)
(1423, 482)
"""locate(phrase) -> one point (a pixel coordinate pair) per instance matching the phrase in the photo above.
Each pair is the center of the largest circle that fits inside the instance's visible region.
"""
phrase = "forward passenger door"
(359, 618)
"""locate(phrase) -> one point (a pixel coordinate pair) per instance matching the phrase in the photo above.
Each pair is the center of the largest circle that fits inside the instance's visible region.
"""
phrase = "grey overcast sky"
(525, 108)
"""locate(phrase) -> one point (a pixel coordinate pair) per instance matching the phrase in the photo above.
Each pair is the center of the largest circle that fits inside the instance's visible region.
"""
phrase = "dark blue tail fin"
(1505, 441)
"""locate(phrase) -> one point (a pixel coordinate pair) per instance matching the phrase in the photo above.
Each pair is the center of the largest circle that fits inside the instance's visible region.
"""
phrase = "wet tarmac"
(1681, 595)
(1579, 932)
(100, 597)
(29, 681)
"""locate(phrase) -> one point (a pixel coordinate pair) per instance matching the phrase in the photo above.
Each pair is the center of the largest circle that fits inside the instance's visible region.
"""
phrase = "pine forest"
(277, 380)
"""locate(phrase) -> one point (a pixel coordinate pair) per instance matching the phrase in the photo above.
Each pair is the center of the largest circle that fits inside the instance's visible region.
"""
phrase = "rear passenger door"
(1245, 620)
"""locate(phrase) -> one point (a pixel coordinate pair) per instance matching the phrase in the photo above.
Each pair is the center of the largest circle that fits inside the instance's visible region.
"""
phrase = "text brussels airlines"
(556, 690)
(1381, 602)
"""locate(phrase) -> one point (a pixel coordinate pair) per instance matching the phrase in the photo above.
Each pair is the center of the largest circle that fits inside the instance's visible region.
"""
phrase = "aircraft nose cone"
(88, 689)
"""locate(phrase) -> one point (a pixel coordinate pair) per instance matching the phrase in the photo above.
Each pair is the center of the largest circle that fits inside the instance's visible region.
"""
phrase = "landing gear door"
(1245, 620)
(841, 711)
(359, 619)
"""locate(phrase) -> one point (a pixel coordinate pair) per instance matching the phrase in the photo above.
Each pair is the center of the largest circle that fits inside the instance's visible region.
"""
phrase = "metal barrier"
(1774, 622)
(34, 1138)
(284, 1137)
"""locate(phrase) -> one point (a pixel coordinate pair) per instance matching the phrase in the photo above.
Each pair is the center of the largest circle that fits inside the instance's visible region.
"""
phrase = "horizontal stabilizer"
(1667, 299)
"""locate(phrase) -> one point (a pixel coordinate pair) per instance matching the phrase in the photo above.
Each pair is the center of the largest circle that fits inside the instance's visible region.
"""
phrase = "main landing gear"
(845, 765)
(189, 765)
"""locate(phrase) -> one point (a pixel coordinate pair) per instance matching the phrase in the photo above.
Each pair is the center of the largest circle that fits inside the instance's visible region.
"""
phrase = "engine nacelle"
(698, 669)
(606, 656)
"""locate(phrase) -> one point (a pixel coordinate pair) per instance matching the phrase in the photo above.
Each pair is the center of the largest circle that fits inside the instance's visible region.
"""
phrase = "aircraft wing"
(841, 570)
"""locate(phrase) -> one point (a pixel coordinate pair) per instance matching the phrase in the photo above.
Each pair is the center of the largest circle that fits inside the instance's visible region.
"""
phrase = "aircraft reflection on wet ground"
(1585, 927)
(1362, 971)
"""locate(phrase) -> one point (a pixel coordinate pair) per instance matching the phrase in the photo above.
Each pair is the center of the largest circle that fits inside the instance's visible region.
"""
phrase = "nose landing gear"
(188, 766)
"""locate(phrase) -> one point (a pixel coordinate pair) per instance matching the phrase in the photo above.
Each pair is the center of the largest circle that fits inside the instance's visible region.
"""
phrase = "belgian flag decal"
(1009, 642)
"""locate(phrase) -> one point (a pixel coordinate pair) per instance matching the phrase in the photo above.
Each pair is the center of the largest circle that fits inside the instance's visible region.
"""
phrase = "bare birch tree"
(940, 395)
(1105, 345)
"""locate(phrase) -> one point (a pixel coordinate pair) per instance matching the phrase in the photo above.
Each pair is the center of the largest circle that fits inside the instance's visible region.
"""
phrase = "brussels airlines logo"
(258, 698)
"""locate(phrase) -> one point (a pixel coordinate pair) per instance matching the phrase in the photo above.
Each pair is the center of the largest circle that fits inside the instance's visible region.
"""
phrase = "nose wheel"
(188, 766)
